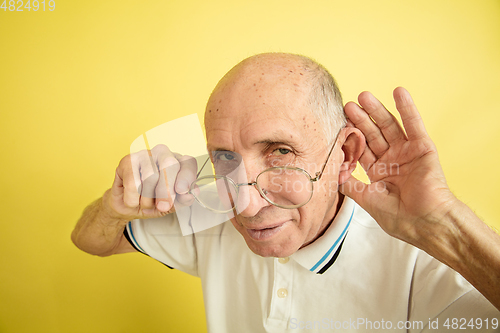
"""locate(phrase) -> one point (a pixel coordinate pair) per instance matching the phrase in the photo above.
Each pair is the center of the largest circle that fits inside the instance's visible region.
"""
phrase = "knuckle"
(189, 162)
(138, 161)
(187, 159)
(137, 155)
(372, 136)
(125, 162)
(129, 183)
(169, 162)
(186, 199)
(125, 159)
(161, 148)
(130, 202)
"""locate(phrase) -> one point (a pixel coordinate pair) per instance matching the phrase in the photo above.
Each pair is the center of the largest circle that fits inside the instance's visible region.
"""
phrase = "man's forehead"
(258, 98)
(225, 140)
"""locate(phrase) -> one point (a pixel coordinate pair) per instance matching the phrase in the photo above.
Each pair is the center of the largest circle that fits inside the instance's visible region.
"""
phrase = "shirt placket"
(281, 298)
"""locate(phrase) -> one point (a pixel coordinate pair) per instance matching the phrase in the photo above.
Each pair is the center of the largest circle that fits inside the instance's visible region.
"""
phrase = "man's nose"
(250, 201)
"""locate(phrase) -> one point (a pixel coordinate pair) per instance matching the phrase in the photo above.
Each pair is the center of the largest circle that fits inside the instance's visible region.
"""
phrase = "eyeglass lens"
(284, 187)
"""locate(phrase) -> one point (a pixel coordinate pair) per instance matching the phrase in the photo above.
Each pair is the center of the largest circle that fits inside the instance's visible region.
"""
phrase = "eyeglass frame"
(261, 192)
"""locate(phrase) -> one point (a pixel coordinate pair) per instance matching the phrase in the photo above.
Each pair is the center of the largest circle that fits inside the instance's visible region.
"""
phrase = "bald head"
(292, 75)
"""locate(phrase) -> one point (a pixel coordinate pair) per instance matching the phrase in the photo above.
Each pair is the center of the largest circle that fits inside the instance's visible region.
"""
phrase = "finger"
(169, 168)
(185, 199)
(161, 209)
(353, 188)
(367, 196)
(374, 137)
(117, 187)
(149, 178)
(410, 116)
(367, 159)
(164, 200)
(125, 183)
(387, 123)
(186, 176)
(134, 162)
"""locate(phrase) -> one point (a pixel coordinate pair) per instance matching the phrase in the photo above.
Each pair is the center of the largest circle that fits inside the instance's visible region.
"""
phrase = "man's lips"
(264, 233)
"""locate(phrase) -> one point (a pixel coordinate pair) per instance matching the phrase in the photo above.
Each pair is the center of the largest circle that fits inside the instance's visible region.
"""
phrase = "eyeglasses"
(282, 186)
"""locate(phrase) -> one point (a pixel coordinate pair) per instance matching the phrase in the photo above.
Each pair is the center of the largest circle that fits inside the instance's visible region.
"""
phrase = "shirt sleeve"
(162, 239)
(470, 313)
(443, 301)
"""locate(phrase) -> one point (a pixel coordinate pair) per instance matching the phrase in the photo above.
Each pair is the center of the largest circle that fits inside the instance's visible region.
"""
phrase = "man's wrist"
(459, 238)
(110, 216)
(439, 233)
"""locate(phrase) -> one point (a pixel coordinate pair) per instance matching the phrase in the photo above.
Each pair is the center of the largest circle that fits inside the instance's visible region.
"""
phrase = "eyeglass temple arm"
(320, 173)
(201, 169)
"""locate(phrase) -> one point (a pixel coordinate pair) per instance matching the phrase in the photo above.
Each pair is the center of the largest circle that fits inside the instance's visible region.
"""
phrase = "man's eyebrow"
(275, 142)
(220, 149)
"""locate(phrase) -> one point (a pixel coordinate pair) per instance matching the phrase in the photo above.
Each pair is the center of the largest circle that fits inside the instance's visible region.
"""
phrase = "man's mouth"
(265, 233)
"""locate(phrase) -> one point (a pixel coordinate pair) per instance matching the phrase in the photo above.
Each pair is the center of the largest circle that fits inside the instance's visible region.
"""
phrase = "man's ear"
(353, 147)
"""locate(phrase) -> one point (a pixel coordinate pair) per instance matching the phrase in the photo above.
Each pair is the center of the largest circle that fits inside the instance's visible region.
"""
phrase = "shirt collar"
(320, 254)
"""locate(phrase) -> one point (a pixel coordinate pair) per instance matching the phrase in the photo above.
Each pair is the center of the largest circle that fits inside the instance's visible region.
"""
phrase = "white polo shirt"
(354, 278)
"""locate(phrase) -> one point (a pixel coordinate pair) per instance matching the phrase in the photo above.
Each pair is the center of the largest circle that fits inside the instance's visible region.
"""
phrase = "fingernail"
(163, 206)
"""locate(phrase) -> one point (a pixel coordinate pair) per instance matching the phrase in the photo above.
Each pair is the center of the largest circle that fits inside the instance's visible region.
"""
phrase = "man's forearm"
(98, 233)
(471, 248)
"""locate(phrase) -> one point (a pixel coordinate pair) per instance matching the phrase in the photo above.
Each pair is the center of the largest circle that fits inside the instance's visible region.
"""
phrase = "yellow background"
(79, 84)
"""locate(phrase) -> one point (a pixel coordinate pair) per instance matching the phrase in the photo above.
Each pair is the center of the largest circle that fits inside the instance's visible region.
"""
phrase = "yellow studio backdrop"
(78, 84)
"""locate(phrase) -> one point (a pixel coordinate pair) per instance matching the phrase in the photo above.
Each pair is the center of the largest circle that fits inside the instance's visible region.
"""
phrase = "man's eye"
(225, 157)
(281, 151)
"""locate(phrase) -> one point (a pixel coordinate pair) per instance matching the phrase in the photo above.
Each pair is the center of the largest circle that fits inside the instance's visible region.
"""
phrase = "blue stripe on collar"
(341, 237)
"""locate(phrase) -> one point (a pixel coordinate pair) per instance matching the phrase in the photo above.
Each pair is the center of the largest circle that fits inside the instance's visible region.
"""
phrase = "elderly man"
(310, 257)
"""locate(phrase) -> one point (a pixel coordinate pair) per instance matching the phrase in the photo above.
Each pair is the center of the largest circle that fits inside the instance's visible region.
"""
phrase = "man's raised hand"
(148, 182)
(408, 194)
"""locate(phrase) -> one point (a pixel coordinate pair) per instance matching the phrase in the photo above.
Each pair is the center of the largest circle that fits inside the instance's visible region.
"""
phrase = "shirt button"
(282, 293)
(283, 260)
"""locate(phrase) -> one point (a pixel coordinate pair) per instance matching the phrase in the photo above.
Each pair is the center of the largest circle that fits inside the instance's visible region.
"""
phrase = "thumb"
(370, 197)
(354, 189)
(162, 208)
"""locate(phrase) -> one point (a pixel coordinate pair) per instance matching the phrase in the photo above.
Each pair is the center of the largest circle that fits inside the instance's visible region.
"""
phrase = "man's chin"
(271, 250)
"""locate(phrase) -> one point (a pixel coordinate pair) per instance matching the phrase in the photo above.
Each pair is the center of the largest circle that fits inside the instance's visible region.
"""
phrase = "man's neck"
(335, 207)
